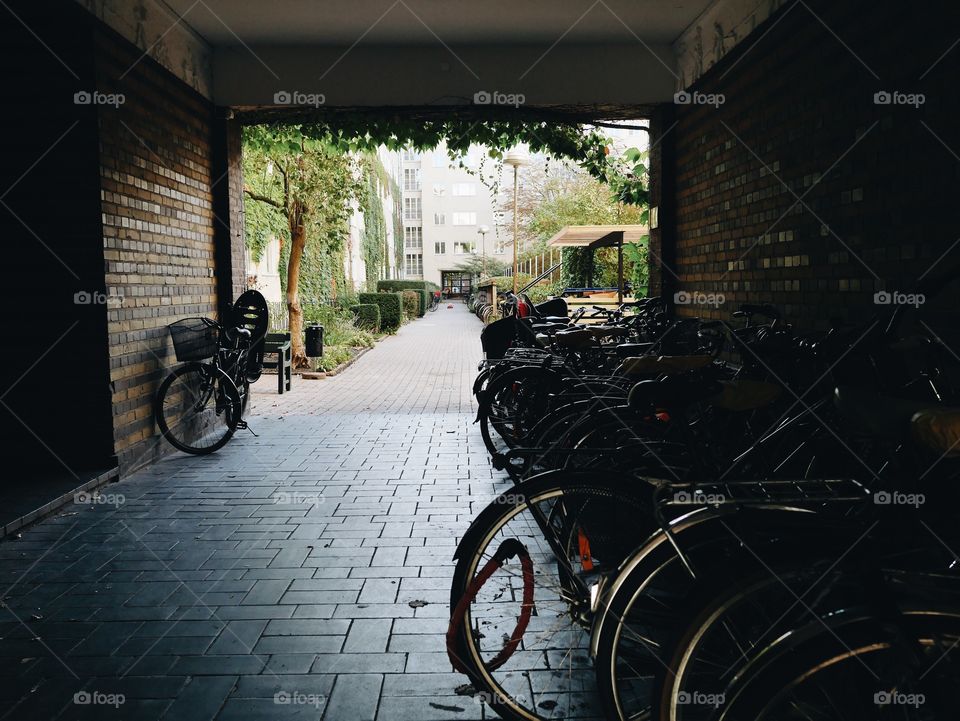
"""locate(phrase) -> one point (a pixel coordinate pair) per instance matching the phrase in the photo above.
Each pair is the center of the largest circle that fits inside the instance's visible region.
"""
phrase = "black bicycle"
(201, 404)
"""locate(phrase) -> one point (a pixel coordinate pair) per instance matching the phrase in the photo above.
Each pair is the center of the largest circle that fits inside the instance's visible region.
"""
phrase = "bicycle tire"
(477, 546)
(231, 413)
(837, 644)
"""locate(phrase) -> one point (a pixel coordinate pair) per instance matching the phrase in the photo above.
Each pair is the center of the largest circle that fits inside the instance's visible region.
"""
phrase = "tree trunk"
(298, 239)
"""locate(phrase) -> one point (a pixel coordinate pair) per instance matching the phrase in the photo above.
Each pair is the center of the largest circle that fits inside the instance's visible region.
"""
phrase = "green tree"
(555, 197)
(309, 184)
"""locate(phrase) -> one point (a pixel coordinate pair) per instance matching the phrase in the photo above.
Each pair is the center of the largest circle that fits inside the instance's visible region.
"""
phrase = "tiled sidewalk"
(280, 569)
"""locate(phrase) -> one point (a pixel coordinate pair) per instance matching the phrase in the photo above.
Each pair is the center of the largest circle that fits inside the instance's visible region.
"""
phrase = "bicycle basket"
(194, 339)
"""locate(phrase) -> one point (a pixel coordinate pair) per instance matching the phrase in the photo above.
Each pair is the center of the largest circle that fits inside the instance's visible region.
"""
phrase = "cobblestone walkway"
(283, 577)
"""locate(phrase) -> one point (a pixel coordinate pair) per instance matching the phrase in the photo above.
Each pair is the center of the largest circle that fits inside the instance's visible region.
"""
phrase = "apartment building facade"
(448, 216)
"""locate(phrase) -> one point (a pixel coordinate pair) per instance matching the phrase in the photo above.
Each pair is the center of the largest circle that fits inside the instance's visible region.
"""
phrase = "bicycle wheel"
(646, 608)
(853, 665)
(197, 408)
(725, 629)
(520, 630)
(514, 402)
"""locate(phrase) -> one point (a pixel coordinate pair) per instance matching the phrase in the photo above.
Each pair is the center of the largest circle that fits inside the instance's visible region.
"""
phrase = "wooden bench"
(279, 343)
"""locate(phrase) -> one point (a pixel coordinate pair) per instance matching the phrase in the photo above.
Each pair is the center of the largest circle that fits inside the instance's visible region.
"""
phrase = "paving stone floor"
(273, 579)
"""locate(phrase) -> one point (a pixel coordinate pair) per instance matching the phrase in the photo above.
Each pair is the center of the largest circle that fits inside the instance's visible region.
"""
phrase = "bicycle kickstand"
(243, 425)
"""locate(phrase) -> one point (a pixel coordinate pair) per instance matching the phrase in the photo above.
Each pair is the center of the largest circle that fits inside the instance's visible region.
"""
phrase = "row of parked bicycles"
(725, 520)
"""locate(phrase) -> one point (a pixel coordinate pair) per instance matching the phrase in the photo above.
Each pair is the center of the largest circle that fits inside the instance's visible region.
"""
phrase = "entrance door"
(457, 284)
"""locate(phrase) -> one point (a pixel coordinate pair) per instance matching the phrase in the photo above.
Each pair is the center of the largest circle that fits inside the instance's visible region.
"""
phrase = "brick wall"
(159, 228)
(799, 189)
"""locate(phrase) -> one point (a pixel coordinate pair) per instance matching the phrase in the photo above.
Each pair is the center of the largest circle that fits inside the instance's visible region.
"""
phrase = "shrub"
(411, 304)
(333, 356)
(424, 287)
(368, 316)
(424, 301)
(391, 286)
(391, 309)
(339, 326)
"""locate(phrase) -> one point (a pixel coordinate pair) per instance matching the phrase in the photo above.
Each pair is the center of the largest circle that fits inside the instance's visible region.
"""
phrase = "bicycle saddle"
(234, 333)
(746, 395)
(658, 365)
(877, 415)
(577, 338)
(626, 350)
(548, 327)
(607, 331)
(938, 429)
(671, 392)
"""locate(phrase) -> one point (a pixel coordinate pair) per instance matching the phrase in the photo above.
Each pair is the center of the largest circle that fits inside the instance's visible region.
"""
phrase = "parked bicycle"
(698, 528)
(201, 404)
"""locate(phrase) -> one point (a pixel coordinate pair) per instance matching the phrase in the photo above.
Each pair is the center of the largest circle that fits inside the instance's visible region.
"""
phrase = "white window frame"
(465, 218)
(440, 247)
(463, 190)
(413, 237)
(412, 209)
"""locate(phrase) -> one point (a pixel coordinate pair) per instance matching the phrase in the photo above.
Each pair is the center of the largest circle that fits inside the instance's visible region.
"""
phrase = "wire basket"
(194, 339)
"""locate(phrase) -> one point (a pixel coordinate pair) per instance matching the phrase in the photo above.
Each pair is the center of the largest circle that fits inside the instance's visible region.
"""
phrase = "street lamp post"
(483, 230)
(516, 157)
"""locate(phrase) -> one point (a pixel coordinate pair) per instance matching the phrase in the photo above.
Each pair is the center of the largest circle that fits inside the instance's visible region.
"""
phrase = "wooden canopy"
(597, 236)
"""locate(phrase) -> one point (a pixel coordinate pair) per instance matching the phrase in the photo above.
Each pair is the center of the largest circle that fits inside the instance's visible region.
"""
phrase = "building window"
(463, 247)
(439, 219)
(411, 156)
(413, 264)
(464, 218)
(440, 247)
(411, 209)
(411, 179)
(462, 189)
(413, 237)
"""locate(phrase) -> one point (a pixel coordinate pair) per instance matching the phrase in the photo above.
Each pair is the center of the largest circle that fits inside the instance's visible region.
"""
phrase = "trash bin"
(314, 340)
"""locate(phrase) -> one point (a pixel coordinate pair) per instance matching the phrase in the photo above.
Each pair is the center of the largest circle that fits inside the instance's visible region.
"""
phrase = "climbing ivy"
(583, 144)
(374, 241)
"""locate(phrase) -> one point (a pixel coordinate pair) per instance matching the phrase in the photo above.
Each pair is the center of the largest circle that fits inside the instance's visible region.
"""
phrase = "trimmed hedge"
(391, 309)
(390, 286)
(423, 287)
(411, 303)
(424, 301)
(368, 316)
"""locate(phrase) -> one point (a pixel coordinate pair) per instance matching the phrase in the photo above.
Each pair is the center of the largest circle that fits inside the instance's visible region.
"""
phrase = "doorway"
(457, 284)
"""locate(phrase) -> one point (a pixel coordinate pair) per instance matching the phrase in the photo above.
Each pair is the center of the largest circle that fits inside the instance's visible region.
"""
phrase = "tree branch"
(263, 198)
